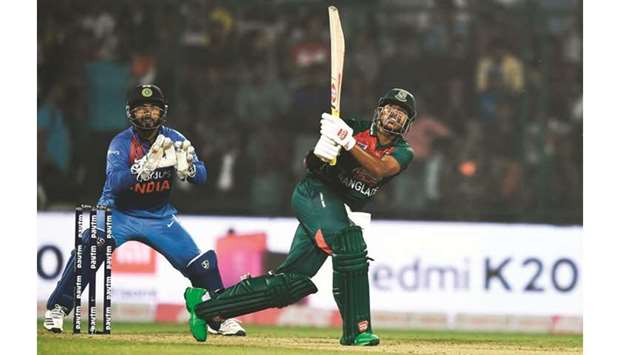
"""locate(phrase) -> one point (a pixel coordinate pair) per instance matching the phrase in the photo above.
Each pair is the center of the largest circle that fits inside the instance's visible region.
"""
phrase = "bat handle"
(336, 113)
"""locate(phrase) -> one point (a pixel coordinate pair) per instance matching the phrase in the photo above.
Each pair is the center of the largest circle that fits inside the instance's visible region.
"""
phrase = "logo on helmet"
(147, 92)
(402, 95)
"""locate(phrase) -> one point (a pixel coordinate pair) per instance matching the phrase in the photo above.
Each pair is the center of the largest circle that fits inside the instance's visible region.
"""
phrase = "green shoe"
(193, 296)
(366, 339)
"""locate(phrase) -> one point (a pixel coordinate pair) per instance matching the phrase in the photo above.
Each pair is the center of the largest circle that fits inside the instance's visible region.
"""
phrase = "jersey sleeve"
(201, 171)
(403, 154)
(118, 173)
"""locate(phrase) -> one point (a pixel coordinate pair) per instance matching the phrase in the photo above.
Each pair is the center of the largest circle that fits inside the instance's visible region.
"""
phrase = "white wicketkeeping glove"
(326, 149)
(160, 155)
(185, 155)
(337, 130)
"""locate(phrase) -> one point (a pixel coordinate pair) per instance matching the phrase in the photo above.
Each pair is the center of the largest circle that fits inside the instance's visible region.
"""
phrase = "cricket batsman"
(143, 162)
(374, 153)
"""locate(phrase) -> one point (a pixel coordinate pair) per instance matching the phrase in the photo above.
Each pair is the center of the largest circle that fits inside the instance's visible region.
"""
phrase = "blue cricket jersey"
(150, 199)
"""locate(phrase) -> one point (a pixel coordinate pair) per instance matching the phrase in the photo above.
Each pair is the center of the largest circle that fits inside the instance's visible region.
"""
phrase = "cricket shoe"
(229, 327)
(54, 318)
(366, 339)
(197, 326)
(361, 339)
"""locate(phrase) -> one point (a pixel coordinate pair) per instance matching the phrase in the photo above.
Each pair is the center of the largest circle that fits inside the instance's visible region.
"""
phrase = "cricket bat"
(336, 38)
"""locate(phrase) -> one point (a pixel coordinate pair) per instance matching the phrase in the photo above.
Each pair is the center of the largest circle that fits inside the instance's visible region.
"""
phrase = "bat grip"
(336, 113)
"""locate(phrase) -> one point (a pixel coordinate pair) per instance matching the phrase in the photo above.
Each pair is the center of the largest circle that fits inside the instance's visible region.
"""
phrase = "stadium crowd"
(499, 87)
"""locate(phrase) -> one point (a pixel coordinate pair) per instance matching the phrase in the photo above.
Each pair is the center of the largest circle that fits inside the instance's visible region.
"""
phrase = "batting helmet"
(403, 99)
(146, 94)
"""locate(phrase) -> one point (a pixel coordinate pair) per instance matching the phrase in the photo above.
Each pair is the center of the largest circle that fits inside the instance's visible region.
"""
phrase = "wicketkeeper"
(143, 162)
(374, 153)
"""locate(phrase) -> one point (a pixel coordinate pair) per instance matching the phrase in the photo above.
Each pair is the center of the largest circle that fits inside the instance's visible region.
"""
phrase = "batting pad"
(256, 294)
(350, 283)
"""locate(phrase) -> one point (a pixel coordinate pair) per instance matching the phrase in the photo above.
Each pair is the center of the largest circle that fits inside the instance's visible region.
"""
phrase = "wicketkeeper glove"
(337, 130)
(160, 155)
(185, 153)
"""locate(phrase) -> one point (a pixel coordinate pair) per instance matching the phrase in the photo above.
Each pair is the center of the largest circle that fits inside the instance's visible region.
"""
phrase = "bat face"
(337, 58)
(336, 38)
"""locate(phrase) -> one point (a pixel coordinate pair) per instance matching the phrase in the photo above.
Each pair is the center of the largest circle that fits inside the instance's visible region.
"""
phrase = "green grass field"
(147, 338)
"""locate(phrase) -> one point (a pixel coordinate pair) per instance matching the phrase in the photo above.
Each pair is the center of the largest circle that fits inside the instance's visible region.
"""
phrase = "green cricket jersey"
(353, 182)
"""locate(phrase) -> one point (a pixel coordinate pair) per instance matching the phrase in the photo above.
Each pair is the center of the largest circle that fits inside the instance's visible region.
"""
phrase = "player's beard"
(390, 126)
(149, 123)
(149, 128)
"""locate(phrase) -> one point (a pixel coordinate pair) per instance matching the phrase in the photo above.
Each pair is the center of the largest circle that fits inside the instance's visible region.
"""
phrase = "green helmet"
(403, 99)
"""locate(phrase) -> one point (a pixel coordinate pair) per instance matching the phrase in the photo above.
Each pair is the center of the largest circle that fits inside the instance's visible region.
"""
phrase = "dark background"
(499, 87)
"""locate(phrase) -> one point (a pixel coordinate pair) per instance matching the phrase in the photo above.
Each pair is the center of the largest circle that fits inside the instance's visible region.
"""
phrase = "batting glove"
(337, 130)
(326, 149)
